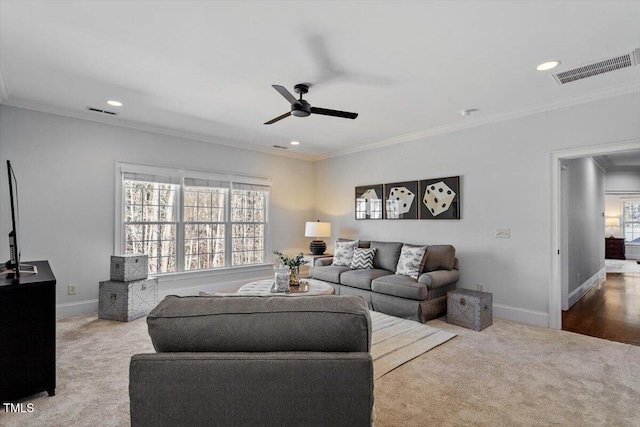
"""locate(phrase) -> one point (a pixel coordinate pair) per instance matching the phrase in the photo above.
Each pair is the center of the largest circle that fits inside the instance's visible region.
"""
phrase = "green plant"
(290, 262)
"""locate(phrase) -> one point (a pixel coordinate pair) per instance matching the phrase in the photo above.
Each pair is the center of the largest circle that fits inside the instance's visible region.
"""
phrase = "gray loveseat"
(420, 299)
(254, 361)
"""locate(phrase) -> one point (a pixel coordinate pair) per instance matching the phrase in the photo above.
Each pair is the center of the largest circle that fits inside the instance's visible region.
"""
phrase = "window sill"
(223, 271)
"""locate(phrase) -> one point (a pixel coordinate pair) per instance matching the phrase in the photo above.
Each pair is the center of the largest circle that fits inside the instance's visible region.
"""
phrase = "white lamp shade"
(612, 221)
(317, 229)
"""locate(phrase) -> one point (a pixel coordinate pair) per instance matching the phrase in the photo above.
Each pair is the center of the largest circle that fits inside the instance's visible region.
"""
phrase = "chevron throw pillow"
(362, 258)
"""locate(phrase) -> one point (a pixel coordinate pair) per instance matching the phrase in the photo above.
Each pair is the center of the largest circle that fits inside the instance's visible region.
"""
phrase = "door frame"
(558, 257)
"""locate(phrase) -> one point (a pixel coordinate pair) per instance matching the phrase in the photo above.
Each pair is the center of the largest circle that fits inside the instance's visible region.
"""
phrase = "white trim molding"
(522, 315)
(585, 287)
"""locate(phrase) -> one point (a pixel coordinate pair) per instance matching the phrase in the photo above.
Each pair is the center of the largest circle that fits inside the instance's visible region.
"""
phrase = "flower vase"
(294, 279)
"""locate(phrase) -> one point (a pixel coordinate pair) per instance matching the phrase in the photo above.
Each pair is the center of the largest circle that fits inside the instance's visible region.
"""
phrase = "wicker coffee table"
(263, 287)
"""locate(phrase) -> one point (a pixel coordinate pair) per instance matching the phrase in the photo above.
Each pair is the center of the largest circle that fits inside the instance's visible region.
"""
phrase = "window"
(631, 220)
(186, 223)
(150, 226)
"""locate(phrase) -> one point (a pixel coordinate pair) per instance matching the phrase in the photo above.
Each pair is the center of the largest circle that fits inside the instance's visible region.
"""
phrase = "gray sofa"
(255, 361)
(402, 296)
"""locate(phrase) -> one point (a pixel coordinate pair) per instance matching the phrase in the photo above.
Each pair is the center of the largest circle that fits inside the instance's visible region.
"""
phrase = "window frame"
(623, 223)
(177, 176)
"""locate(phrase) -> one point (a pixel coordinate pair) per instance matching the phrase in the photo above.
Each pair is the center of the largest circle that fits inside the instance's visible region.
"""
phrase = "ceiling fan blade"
(334, 113)
(284, 116)
(284, 92)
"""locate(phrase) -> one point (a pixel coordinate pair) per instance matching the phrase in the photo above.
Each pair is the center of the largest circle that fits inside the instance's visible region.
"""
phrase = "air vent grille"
(280, 147)
(98, 110)
(600, 67)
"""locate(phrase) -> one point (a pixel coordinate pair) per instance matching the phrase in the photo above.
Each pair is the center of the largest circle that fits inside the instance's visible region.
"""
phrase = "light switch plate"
(503, 233)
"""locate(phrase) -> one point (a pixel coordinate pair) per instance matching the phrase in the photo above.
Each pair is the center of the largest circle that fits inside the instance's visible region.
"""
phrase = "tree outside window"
(186, 224)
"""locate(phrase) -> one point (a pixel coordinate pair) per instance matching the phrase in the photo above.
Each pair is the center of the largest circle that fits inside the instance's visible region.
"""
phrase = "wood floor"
(610, 310)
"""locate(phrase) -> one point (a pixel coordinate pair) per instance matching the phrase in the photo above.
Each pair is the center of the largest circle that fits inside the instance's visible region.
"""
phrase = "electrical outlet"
(72, 289)
(480, 287)
(503, 233)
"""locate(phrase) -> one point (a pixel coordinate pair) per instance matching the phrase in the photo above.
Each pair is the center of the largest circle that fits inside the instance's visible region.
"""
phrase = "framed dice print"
(440, 198)
(369, 201)
(401, 200)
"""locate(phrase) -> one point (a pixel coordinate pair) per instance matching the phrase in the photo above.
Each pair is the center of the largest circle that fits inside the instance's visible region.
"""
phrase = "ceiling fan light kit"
(301, 108)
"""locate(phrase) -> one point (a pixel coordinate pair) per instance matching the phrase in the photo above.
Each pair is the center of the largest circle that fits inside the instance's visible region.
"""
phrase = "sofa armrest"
(242, 389)
(321, 262)
(439, 278)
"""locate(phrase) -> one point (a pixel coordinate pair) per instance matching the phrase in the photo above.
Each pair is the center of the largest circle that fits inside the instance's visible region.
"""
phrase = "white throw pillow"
(363, 258)
(343, 253)
(410, 261)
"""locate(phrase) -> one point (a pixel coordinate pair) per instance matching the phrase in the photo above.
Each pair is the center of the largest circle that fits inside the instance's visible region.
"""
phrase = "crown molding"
(495, 118)
(413, 136)
(114, 121)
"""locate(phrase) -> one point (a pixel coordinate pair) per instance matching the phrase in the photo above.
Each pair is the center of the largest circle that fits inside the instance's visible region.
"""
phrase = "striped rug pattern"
(396, 341)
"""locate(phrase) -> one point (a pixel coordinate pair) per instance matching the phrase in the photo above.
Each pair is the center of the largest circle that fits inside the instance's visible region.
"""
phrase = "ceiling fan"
(301, 108)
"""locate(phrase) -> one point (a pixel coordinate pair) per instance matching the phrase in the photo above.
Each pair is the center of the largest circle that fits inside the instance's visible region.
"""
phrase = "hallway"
(610, 310)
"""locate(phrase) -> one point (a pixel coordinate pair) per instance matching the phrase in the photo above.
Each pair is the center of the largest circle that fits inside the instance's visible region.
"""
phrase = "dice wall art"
(369, 200)
(401, 200)
(440, 198)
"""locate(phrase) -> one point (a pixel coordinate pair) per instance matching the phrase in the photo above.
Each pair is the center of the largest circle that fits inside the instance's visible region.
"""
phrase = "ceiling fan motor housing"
(301, 109)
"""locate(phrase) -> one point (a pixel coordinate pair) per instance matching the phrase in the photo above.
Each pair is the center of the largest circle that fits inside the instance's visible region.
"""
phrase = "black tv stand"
(28, 333)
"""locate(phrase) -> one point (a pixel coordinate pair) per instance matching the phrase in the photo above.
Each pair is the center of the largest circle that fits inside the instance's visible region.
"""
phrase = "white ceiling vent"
(599, 67)
(99, 110)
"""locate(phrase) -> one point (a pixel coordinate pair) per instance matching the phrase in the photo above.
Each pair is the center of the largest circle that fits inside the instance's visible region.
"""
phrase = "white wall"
(66, 172)
(505, 183)
(583, 200)
(622, 180)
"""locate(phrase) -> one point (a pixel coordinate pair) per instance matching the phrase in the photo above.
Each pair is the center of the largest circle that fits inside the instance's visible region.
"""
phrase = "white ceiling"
(205, 69)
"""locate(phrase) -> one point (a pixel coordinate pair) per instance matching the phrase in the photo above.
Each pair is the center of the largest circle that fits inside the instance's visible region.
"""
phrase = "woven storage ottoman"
(126, 301)
(470, 309)
(126, 268)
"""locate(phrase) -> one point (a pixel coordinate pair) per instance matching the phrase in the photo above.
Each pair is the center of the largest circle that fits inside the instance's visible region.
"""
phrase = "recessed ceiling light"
(547, 65)
(114, 103)
(295, 143)
(468, 111)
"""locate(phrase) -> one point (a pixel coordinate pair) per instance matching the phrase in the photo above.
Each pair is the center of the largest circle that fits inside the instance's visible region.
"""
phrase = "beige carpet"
(507, 375)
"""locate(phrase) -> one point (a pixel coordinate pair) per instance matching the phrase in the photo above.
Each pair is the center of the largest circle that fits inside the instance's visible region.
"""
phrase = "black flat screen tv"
(14, 247)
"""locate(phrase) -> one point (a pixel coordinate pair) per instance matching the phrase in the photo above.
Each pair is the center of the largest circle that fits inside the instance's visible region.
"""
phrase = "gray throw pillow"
(343, 253)
(362, 259)
(410, 262)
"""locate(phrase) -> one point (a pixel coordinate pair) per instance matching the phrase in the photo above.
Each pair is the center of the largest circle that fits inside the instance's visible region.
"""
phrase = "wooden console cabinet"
(614, 248)
(28, 333)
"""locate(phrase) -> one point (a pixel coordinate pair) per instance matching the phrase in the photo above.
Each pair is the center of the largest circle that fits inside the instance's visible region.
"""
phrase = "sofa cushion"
(221, 324)
(387, 254)
(343, 252)
(401, 286)
(411, 261)
(362, 278)
(328, 273)
(440, 257)
(362, 259)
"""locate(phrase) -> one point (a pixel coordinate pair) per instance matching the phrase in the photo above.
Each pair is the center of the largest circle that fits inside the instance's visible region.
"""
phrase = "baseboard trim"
(517, 314)
(76, 308)
(581, 290)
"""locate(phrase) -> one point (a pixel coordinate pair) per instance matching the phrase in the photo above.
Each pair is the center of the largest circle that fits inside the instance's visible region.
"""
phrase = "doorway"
(559, 253)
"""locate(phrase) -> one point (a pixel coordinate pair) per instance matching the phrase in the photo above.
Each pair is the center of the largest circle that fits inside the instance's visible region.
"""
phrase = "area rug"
(396, 341)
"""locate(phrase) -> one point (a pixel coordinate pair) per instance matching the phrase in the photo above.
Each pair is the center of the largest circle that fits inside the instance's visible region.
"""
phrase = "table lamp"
(612, 221)
(317, 229)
